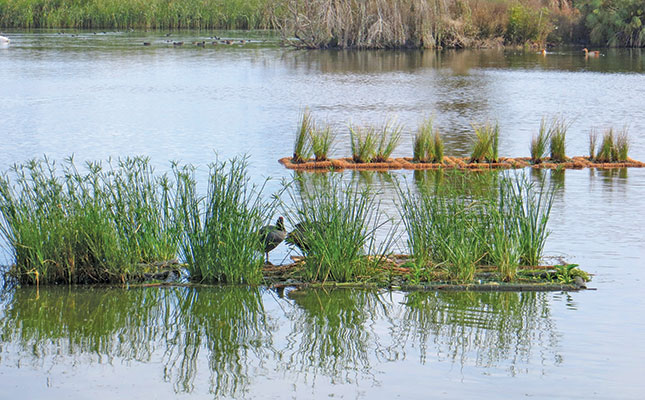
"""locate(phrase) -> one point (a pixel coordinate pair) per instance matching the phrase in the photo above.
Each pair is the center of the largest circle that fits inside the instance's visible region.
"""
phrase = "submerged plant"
(539, 143)
(302, 146)
(486, 144)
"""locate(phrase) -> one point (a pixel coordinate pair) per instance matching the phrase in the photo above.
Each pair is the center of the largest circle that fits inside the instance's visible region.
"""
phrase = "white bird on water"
(4, 40)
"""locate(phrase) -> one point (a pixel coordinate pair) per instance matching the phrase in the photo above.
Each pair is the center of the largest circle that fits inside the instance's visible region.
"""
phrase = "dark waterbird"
(272, 236)
(299, 235)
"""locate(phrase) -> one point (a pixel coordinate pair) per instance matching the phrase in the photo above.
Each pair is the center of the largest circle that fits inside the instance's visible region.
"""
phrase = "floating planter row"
(372, 146)
(456, 163)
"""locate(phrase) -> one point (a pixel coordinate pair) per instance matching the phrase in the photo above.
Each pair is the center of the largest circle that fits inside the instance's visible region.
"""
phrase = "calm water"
(106, 95)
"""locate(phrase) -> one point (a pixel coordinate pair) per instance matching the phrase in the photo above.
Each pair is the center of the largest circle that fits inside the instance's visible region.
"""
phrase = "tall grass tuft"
(428, 145)
(438, 148)
(86, 227)
(486, 144)
(539, 143)
(322, 140)
(220, 239)
(614, 147)
(364, 143)
(622, 146)
(338, 223)
(557, 144)
(302, 146)
(448, 229)
(593, 142)
(390, 135)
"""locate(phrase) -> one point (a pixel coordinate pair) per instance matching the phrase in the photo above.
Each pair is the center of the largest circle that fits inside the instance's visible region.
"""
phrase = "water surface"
(106, 95)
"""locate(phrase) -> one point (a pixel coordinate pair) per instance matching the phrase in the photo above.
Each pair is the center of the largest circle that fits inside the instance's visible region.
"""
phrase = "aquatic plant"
(606, 150)
(302, 146)
(614, 147)
(321, 141)
(449, 229)
(151, 14)
(486, 144)
(364, 143)
(221, 238)
(539, 143)
(338, 223)
(389, 137)
(428, 145)
(86, 227)
(622, 146)
(557, 140)
(593, 142)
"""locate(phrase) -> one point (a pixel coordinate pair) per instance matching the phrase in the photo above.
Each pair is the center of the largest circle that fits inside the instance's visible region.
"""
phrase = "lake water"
(106, 95)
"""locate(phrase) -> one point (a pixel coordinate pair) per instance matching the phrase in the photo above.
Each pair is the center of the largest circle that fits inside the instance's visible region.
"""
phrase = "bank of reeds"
(449, 230)
(150, 14)
(337, 222)
(486, 143)
(428, 145)
(220, 233)
(82, 227)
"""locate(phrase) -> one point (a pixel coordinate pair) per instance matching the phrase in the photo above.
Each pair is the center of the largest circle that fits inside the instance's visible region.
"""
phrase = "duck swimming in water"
(4, 40)
(588, 53)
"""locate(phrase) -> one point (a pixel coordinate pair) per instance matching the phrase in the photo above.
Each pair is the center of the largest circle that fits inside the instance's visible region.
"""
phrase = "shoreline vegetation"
(120, 222)
(372, 24)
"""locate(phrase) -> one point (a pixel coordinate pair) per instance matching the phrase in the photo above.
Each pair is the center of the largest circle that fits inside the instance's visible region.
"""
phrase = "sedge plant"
(335, 224)
(557, 140)
(302, 146)
(221, 239)
(486, 143)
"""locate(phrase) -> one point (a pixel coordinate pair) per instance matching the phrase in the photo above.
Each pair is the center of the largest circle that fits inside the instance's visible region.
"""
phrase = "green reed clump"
(370, 144)
(622, 146)
(593, 142)
(220, 238)
(322, 140)
(338, 223)
(443, 230)
(86, 227)
(614, 147)
(448, 229)
(302, 146)
(428, 145)
(364, 143)
(606, 151)
(539, 143)
(486, 144)
(390, 135)
(557, 140)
